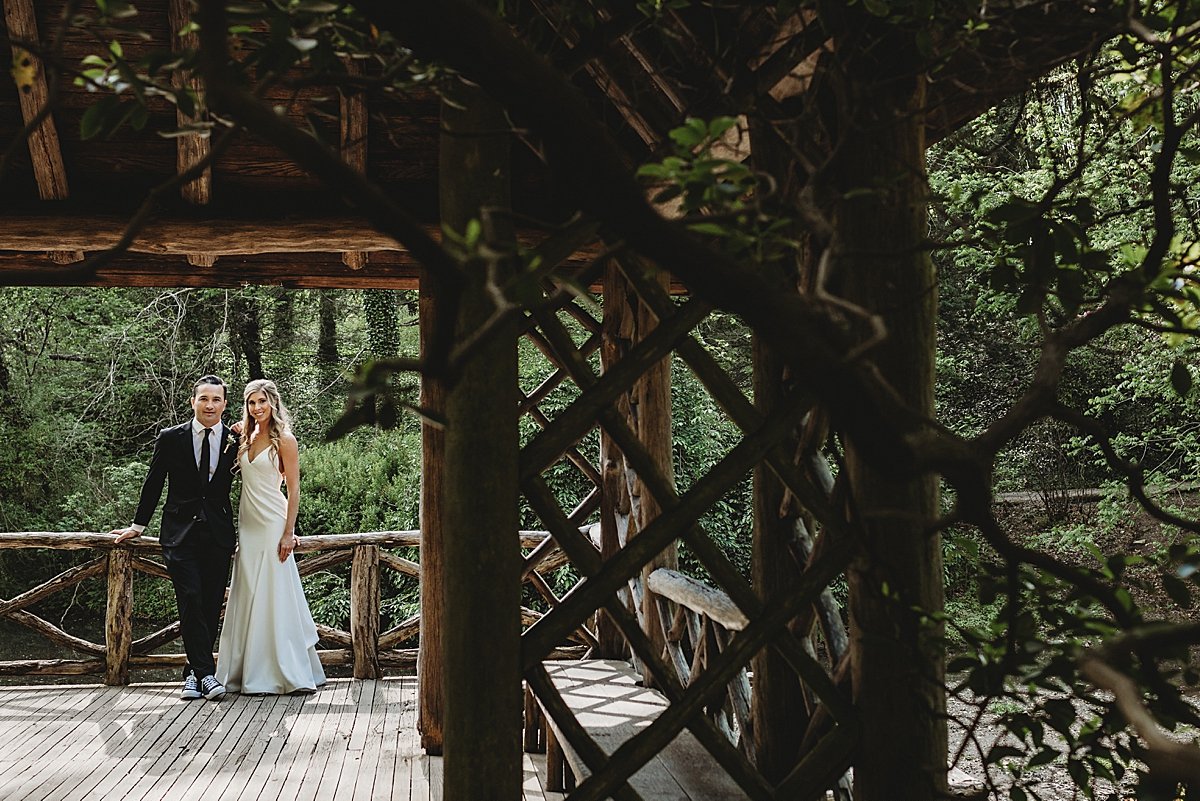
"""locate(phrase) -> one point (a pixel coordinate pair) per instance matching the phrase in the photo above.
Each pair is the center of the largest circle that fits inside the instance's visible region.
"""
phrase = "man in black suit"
(196, 459)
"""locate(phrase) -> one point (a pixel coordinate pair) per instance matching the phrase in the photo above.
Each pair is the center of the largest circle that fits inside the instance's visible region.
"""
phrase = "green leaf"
(186, 102)
(1043, 757)
(686, 137)
(93, 120)
(1015, 210)
(713, 229)
(1000, 752)
(1030, 301)
(719, 125)
(657, 171)
(1181, 379)
(1178, 591)
(473, 233)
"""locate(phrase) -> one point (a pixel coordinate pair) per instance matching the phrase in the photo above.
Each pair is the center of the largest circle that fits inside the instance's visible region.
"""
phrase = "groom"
(196, 460)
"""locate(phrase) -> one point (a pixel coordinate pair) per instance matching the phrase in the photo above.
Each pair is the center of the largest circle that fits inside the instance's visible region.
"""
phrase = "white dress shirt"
(214, 445)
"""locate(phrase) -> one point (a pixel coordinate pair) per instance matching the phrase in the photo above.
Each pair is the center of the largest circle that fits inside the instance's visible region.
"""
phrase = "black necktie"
(204, 453)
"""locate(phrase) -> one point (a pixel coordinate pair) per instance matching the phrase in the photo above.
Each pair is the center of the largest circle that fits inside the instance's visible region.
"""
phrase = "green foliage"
(719, 194)
(369, 481)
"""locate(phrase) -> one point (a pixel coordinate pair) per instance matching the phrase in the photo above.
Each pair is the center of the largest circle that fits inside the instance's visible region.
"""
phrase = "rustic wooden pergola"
(252, 216)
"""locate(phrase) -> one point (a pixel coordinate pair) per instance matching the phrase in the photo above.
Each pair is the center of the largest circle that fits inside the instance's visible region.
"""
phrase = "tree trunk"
(327, 346)
(383, 330)
(247, 333)
(880, 264)
(482, 581)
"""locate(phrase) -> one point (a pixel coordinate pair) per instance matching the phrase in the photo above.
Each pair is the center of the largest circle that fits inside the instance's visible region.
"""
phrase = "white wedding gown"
(268, 641)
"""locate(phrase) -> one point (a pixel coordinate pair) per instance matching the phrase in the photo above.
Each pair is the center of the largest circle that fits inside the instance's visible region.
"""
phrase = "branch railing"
(364, 647)
(698, 630)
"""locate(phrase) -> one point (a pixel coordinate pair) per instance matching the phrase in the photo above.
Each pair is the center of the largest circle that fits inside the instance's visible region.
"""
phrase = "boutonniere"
(229, 440)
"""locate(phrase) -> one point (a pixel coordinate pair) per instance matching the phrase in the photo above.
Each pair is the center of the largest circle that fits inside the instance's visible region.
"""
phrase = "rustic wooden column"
(652, 396)
(479, 498)
(883, 266)
(614, 497)
(118, 617)
(364, 611)
(192, 148)
(45, 154)
(778, 707)
(431, 694)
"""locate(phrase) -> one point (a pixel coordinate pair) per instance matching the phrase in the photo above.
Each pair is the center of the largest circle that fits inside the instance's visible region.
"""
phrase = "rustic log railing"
(698, 629)
(364, 647)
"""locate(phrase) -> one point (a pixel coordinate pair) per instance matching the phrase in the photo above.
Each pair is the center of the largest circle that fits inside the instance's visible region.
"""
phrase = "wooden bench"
(610, 703)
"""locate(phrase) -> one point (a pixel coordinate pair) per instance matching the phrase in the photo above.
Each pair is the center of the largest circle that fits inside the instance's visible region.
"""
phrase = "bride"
(268, 641)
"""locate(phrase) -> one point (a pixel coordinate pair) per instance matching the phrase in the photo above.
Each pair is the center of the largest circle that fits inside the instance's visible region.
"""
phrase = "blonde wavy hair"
(281, 418)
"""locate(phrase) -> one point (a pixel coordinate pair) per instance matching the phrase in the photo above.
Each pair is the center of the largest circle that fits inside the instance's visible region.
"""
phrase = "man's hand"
(125, 534)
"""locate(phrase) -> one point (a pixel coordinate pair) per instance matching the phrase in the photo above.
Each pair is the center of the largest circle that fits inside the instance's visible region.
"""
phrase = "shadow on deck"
(352, 740)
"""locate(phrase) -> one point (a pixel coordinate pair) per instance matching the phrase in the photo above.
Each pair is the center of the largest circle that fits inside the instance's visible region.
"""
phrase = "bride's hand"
(286, 545)
(236, 428)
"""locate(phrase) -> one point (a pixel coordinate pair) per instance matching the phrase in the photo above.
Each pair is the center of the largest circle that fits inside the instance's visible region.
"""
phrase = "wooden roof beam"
(44, 151)
(182, 236)
(278, 252)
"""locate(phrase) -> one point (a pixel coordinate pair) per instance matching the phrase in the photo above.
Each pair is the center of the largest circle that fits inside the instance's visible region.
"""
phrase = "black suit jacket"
(189, 501)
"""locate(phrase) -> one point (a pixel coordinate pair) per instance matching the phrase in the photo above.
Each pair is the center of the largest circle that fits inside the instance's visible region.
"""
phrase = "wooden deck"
(350, 740)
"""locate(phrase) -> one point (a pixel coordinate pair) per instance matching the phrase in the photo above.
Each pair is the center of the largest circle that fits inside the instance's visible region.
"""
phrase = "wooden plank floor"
(350, 740)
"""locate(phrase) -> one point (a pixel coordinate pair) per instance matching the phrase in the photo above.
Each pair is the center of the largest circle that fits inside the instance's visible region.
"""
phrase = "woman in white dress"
(268, 640)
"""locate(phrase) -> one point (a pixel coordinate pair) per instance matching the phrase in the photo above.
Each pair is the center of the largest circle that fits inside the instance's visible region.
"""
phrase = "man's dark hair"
(210, 379)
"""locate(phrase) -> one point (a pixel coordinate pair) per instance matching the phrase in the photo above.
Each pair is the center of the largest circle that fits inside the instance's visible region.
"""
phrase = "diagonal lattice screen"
(702, 662)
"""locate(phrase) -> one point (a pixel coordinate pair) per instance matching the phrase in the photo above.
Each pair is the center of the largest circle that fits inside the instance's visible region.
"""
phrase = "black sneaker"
(213, 690)
(191, 688)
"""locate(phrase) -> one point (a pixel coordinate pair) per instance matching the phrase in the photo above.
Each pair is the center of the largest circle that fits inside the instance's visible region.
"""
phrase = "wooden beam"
(353, 139)
(389, 270)
(193, 147)
(44, 151)
(211, 237)
(287, 253)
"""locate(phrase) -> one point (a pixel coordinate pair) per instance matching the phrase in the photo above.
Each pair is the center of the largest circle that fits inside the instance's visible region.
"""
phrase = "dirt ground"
(1115, 529)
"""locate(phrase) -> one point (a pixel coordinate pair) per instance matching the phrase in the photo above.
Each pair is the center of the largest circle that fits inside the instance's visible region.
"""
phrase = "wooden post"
(482, 569)
(192, 148)
(614, 498)
(364, 611)
(885, 270)
(352, 135)
(535, 742)
(431, 694)
(118, 617)
(652, 395)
